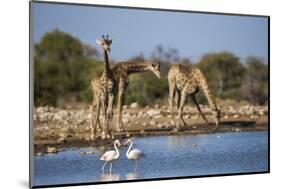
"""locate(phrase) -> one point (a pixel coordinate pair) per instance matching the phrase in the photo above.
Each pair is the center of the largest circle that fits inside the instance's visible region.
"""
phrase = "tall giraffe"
(103, 92)
(121, 72)
(185, 81)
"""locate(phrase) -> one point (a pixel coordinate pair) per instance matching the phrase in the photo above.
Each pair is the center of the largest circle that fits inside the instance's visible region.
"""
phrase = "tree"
(62, 70)
(255, 85)
(224, 73)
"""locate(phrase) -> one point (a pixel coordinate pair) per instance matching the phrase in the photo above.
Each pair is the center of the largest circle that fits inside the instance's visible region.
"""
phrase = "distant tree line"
(64, 66)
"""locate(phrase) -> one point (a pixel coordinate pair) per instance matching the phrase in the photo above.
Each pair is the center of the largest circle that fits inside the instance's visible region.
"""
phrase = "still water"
(166, 156)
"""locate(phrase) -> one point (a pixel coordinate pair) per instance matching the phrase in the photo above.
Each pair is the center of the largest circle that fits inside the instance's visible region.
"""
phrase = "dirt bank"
(70, 127)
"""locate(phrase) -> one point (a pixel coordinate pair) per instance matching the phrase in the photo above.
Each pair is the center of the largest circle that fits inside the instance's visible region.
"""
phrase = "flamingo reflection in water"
(111, 155)
(133, 176)
(134, 154)
(110, 177)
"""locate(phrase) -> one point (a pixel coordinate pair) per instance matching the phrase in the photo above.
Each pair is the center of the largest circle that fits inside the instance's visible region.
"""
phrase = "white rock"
(153, 123)
(160, 126)
(144, 124)
(152, 112)
(237, 130)
(134, 105)
(158, 116)
(236, 116)
(156, 106)
(51, 150)
(39, 154)
(125, 120)
(186, 116)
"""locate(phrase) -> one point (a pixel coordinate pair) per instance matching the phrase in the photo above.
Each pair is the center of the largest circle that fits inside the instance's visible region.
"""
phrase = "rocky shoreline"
(58, 128)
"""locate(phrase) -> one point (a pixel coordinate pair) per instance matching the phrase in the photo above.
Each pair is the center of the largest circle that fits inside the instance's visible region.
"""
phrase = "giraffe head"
(154, 67)
(105, 42)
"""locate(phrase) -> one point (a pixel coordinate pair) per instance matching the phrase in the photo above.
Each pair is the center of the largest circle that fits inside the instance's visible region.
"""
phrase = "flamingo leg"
(110, 167)
(103, 167)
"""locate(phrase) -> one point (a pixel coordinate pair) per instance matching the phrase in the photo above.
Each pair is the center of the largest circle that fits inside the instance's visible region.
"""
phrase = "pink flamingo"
(111, 155)
(134, 154)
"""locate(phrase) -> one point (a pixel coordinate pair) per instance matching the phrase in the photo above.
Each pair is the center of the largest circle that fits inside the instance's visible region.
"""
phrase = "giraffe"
(184, 81)
(121, 72)
(103, 92)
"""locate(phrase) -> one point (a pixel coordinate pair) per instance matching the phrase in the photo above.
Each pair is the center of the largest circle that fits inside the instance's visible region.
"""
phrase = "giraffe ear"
(158, 64)
(99, 42)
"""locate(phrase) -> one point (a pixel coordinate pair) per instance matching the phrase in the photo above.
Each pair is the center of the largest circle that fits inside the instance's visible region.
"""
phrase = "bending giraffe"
(103, 90)
(185, 81)
(121, 72)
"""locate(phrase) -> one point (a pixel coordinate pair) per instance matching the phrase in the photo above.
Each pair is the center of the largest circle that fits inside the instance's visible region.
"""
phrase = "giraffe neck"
(206, 91)
(133, 67)
(106, 62)
(211, 101)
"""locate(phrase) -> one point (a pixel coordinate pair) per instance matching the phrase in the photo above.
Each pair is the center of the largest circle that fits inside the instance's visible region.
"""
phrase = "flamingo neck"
(131, 144)
(116, 149)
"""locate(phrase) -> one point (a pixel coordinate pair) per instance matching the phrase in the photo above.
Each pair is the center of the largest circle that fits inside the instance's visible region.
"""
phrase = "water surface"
(166, 156)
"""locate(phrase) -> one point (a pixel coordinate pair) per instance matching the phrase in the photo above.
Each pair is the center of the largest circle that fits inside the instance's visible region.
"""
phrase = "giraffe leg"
(182, 102)
(119, 107)
(109, 114)
(104, 121)
(177, 98)
(110, 106)
(171, 98)
(199, 109)
(96, 104)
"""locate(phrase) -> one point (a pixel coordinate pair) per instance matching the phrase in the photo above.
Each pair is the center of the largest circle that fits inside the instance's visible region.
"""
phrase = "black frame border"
(31, 101)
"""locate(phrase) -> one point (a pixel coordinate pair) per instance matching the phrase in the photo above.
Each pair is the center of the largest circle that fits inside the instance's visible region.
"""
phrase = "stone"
(194, 117)
(158, 116)
(152, 112)
(160, 126)
(62, 135)
(51, 150)
(139, 115)
(187, 116)
(134, 105)
(39, 154)
(125, 120)
(144, 124)
(128, 134)
(237, 130)
(61, 140)
(153, 123)
(156, 106)
(236, 116)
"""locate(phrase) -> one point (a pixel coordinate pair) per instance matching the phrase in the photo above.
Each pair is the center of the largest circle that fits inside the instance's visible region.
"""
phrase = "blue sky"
(140, 31)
